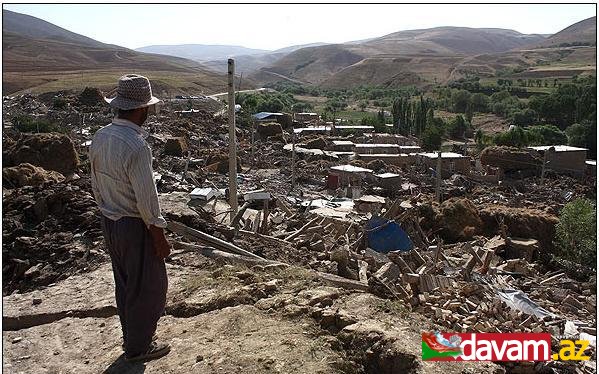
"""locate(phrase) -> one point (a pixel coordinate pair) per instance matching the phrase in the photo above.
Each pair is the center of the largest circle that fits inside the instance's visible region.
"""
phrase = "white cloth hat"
(134, 91)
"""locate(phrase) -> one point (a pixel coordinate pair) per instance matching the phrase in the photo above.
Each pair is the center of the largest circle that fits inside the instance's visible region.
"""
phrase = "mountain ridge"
(42, 56)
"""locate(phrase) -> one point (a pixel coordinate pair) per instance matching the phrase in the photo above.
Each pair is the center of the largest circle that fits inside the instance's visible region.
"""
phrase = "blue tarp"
(263, 115)
(384, 236)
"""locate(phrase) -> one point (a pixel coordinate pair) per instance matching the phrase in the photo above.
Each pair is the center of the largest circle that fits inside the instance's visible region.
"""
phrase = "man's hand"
(162, 247)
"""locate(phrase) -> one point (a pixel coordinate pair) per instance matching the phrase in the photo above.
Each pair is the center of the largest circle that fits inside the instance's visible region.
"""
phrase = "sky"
(276, 26)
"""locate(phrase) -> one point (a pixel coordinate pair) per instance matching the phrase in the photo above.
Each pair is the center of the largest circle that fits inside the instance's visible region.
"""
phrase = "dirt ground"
(220, 321)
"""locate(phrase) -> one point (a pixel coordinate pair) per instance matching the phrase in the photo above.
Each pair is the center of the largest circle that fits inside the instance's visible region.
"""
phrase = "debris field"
(336, 264)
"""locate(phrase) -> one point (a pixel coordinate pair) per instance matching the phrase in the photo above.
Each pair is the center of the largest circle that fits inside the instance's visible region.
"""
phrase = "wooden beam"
(301, 230)
(181, 229)
(232, 140)
(215, 254)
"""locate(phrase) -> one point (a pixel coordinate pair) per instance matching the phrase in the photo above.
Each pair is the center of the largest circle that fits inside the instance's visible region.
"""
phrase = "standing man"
(124, 188)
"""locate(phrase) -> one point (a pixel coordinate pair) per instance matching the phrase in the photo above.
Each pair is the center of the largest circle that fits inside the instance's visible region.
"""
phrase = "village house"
(564, 159)
(451, 163)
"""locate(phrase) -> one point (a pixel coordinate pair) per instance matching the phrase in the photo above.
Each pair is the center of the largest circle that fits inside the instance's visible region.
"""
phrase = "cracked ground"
(220, 319)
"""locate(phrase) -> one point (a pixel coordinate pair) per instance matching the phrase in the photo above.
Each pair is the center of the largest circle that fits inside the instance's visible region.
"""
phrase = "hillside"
(451, 40)
(439, 55)
(60, 59)
(201, 52)
(580, 33)
(358, 59)
(245, 63)
(35, 28)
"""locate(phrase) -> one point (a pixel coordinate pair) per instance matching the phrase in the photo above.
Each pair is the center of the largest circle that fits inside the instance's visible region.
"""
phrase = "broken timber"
(228, 257)
(181, 229)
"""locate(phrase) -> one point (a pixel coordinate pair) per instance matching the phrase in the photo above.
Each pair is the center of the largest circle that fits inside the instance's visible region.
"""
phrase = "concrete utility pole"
(292, 157)
(545, 154)
(438, 179)
(232, 140)
(253, 146)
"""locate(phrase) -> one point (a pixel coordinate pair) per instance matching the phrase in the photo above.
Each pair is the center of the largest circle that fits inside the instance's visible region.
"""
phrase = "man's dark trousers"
(140, 280)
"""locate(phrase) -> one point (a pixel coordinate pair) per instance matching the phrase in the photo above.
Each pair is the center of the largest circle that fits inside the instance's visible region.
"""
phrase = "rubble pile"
(269, 129)
(455, 219)
(49, 232)
(510, 158)
(51, 151)
(91, 96)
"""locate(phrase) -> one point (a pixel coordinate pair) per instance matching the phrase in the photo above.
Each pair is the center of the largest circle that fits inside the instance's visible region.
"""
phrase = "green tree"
(576, 232)
(432, 137)
(480, 102)
(546, 135)
(516, 137)
(523, 118)
(469, 114)
(334, 106)
(583, 135)
(301, 107)
(460, 100)
(456, 128)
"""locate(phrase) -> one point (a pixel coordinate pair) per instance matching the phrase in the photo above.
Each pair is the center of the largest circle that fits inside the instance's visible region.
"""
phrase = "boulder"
(29, 175)
(91, 96)
(265, 130)
(219, 163)
(318, 143)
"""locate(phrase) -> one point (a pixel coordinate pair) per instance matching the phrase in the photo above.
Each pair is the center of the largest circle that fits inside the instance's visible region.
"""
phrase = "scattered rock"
(28, 175)
(376, 165)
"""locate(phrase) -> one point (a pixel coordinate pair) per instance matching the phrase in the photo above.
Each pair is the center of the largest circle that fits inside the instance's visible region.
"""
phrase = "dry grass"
(163, 82)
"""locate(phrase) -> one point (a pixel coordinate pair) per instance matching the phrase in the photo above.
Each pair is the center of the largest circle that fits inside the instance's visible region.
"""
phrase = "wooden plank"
(266, 213)
(239, 214)
(266, 237)
(551, 279)
(338, 281)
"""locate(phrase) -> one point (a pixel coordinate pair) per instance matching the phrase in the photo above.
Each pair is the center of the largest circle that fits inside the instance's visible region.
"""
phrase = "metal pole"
(232, 140)
(438, 179)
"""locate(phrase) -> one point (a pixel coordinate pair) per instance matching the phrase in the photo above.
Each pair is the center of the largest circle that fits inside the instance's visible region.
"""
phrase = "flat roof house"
(564, 159)
(345, 175)
(451, 163)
